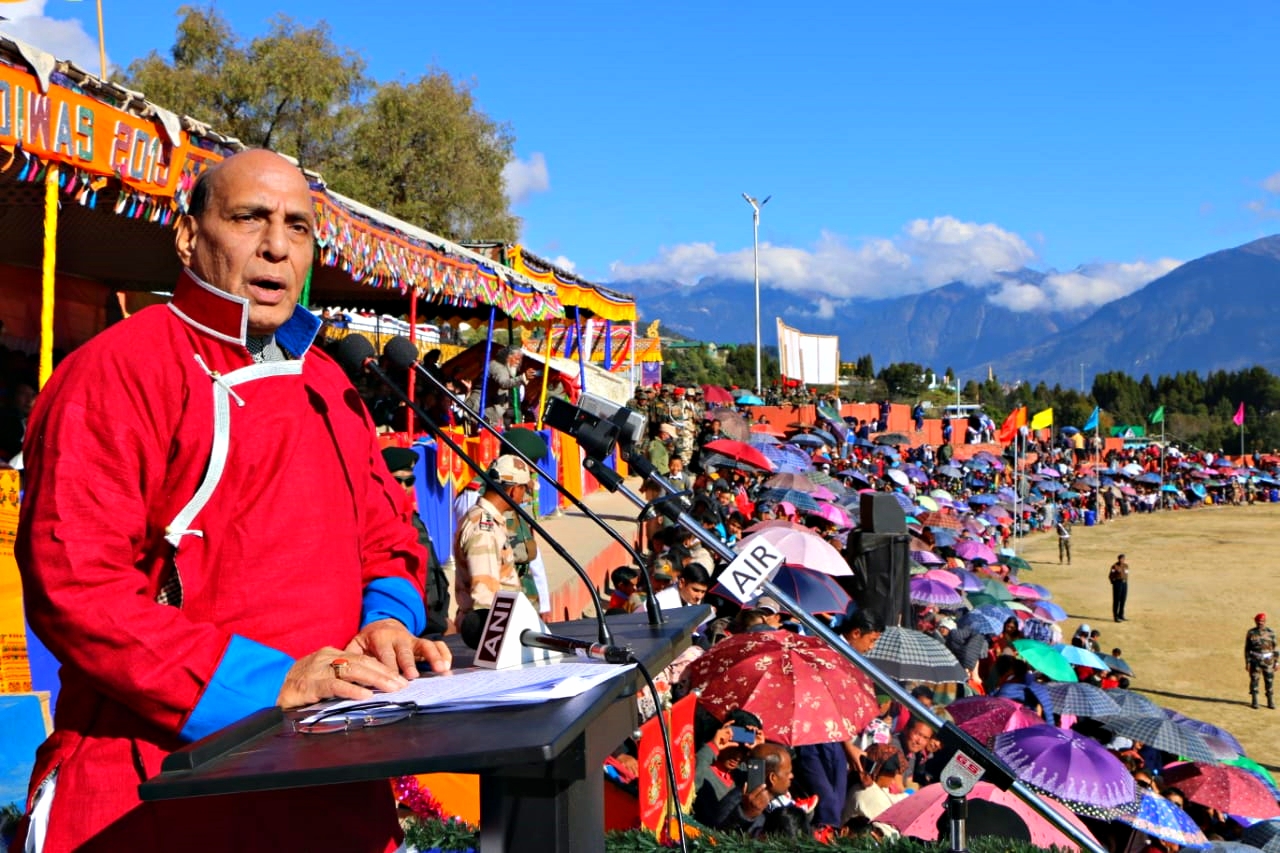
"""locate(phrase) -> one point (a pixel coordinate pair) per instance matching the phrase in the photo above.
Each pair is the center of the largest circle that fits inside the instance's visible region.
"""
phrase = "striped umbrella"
(988, 619)
(1204, 728)
(1160, 732)
(802, 501)
(1134, 703)
(909, 655)
(1081, 699)
(1265, 835)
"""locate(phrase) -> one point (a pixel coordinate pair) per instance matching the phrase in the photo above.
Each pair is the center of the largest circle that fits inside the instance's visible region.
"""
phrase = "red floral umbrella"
(1223, 787)
(984, 717)
(741, 451)
(803, 691)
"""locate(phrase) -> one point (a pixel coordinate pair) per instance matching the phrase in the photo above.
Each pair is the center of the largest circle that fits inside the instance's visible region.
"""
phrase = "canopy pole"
(631, 374)
(413, 339)
(488, 352)
(546, 375)
(608, 345)
(582, 362)
(48, 270)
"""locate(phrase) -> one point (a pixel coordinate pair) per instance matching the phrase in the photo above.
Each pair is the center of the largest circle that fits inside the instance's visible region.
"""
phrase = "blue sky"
(905, 145)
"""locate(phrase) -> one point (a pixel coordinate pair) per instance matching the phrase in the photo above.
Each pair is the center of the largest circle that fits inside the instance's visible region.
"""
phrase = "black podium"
(541, 782)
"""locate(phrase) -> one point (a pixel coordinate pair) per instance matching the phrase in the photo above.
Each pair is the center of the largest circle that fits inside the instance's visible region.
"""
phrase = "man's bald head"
(250, 231)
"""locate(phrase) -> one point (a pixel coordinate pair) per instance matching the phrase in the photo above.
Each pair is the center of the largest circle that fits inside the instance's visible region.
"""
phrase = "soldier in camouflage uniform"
(1260, 658)
(659, 409)
(524, 549)
(484, 560)
(685, 415)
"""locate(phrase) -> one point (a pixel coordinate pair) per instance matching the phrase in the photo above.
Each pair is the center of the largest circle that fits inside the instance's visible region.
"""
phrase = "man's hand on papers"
(390, 642)
(331, 673)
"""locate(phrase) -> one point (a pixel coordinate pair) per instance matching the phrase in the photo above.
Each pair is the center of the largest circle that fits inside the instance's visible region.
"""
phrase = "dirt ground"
(1196, 580)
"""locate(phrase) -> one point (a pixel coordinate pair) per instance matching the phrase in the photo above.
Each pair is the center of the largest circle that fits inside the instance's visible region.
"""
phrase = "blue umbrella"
(1169, 488)
(1050, 611)
(943, 536)
(750, 400)
(886, 450)
(1081, 657)
(763, 439)
(950, 471)
(1152, 478)
(1163, 819)
(787, 460)
(983, 499)
(808, 440)
(903, 501)
(969, 582)
(863, 443)
(987, 619)
(802, 501)
(814, 591)
(1051, 487)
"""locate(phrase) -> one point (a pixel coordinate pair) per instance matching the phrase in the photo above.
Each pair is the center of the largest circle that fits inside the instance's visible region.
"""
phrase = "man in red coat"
(208, 529)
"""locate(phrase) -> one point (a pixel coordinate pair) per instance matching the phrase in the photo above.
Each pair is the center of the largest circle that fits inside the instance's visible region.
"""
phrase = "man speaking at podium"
(208, 530)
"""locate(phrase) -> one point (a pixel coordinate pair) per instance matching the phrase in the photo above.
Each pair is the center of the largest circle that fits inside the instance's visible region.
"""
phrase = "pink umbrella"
(822, 493)
(970, 550)
(834, 514)
(943, 576)
(917, 815)
(984, 717)
(717, 396)
(1024, 592)
(800, 547)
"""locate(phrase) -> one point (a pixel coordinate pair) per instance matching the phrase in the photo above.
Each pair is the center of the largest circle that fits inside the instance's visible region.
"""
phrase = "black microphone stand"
(368, 359)
(952, 736)
(651, 605)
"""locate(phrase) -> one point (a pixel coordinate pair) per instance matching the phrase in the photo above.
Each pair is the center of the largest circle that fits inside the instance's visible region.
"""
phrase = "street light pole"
(755, 263)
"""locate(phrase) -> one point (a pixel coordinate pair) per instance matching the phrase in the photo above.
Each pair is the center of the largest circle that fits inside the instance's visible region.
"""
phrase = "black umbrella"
(909, 655)
(1162, 733)
(1265, 835)
(1134, 703)
(892, 438)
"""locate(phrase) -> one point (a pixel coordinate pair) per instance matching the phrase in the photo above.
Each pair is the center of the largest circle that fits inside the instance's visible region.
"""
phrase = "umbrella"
(1265, 835)
(759, 438)
(740, 451)
(1049, 611)
(835, 515)
(786, 459)
(800, 546)
(1066, 765)
(917, 816)
(750, 400)
(1134, 703)
(940, 519)
(805, 439)
(1042, 658)
(1116, 664)
(1222, 787)
(909, 655)
(969, 582)
(983, 499)
(715, 461)
(1042, 591)
(1077, 656)
(984, 717)
(927, 504)
(988, 619)
(1204, 728)
(732, 424)
(1250, 766)
(927, 591)
(790, 480)
(970, 550)
(717, 396)
(814, 591)
(1160, 732)
(1164, 819)
(803, 691)
(927, 558)
(1081, 699)
(891, 438)
(1026, 593)
(943, 576)
(898, 476)
(950, 471)
(821, 493)
(994, 588)
(1015, 562)
(802, 501)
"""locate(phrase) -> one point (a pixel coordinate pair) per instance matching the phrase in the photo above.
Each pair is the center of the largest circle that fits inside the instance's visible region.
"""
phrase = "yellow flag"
(1042, 419)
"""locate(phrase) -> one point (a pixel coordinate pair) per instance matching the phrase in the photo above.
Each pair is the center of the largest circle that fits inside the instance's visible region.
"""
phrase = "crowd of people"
(962, 517)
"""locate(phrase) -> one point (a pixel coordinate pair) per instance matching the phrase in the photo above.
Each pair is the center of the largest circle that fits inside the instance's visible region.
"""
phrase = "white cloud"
(1272, 184)
(65, 38)
(523, 178)
(564, 263)
(926, 254)
(1084, 287)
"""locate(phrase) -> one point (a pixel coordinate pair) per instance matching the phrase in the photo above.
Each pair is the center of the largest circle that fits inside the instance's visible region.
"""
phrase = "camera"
(750, 773)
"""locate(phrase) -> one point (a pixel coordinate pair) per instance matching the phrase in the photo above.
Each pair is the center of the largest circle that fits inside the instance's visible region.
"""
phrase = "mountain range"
(1207, 314)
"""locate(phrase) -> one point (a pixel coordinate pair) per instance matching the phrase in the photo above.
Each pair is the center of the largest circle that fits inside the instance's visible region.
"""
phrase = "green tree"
(292, 90)
(421, 151)
(905, 380)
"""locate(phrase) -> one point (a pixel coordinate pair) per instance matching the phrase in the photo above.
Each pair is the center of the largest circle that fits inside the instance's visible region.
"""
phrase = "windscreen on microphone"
(472, 627)
(353, 351)
(401, 352)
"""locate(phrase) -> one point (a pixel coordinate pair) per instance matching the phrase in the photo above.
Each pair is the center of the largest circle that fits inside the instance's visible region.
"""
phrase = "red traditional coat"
(160, 457)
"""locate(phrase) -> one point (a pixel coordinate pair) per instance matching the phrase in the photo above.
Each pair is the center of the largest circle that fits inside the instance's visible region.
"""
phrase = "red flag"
(1016, 420)
(1238, 420)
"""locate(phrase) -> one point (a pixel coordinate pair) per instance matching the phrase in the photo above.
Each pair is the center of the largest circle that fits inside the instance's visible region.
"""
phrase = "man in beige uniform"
(485, 561)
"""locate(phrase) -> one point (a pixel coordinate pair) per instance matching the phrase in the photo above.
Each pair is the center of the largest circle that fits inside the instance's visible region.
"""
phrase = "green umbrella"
(1015, 562)
(996, 590)
(978, 599)
(1246, 763)
(527, 442)
(1045, 659)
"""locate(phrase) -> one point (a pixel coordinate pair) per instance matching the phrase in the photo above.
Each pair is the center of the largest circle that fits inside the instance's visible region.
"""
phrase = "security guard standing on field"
(484, 558)
(1260, 658)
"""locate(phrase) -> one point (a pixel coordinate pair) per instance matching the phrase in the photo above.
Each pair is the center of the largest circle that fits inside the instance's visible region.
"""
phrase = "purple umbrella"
(970, 551)
(1066, 765)
(927, 558)
(929, 591)
(969, 582)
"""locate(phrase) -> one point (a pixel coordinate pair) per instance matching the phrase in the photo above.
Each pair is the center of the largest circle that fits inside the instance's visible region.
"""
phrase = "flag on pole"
(1092, 423)
(1009, 429)
(1157, 417)
(1042, 419)
(1238, 420)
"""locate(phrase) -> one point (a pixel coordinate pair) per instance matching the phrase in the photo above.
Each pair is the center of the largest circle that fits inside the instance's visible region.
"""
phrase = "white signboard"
(750, 569)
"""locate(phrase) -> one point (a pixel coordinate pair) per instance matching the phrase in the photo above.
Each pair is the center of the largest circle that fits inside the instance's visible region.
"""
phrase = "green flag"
(1157, 417)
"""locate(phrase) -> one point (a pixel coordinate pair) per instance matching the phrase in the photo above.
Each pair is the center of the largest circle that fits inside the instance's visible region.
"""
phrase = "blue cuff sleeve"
(394, 598)
(247, 679)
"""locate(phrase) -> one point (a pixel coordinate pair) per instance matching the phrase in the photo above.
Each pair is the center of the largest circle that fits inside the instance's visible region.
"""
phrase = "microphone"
(360, 355)
(401, 352)
(580, 648)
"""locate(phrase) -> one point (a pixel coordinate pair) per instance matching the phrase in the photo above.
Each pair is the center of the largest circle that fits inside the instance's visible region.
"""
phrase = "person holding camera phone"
(717, 761)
